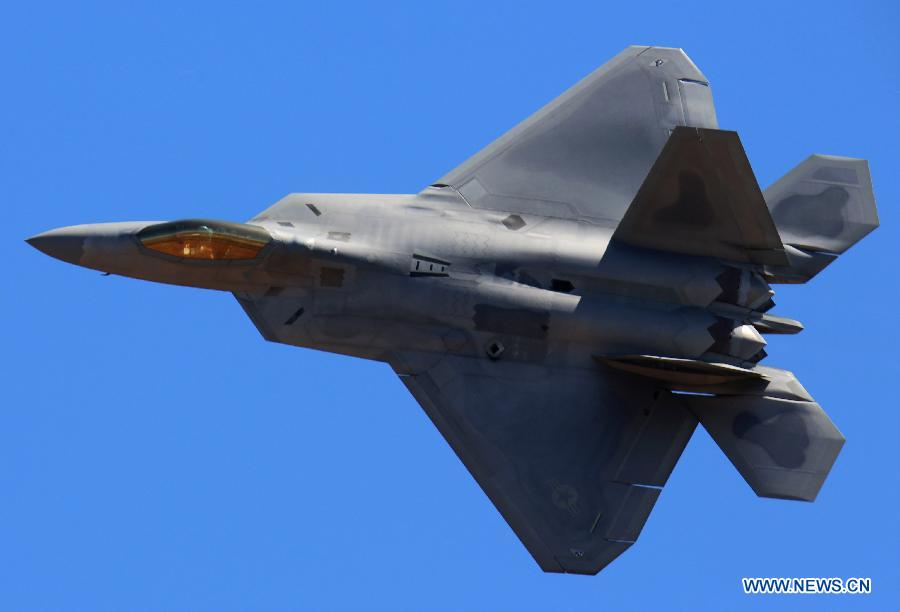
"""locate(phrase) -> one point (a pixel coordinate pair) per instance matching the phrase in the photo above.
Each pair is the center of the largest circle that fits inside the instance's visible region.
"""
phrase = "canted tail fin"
(822, 207)
(701, 198)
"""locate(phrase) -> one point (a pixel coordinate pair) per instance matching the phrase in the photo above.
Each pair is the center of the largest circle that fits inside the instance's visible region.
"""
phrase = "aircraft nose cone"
(63, 243)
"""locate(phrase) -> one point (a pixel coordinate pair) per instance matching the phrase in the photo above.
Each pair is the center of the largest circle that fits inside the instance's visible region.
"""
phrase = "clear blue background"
(157, 454)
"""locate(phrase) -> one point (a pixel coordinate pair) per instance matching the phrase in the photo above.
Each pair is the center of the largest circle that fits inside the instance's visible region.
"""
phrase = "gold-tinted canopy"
(205, 239)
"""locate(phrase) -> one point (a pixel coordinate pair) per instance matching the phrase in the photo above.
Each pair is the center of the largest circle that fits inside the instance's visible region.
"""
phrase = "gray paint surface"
(566, 305)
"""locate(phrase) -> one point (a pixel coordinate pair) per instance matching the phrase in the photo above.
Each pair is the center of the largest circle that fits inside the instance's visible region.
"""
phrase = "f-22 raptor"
(566, 305)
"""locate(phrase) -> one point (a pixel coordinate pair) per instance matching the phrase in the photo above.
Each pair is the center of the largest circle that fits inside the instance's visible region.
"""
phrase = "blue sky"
(157, 454)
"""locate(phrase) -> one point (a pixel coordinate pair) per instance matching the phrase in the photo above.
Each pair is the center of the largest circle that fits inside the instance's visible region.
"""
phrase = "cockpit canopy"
(205, 239)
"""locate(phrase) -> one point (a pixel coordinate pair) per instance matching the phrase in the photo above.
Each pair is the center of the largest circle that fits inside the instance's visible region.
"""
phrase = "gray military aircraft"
(566, 305)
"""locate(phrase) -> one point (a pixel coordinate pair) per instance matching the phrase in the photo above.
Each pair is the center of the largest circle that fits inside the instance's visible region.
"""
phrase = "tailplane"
(821, 208)
(762, 418)
(784, 448)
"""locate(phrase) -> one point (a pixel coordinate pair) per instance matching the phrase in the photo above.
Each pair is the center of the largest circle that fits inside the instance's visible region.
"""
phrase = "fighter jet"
(566, 305)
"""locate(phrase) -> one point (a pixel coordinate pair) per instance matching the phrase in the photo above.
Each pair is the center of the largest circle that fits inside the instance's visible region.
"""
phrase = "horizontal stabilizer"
(802, 266)
(701, 198)
(825, 204)
(782, 448)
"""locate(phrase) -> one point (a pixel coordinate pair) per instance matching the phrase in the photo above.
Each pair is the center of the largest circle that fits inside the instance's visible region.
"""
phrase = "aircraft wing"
(572, 459)
(585, 154)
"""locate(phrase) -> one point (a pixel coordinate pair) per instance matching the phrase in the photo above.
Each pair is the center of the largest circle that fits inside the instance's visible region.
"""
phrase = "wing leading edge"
(572, 460)
(585, 154)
